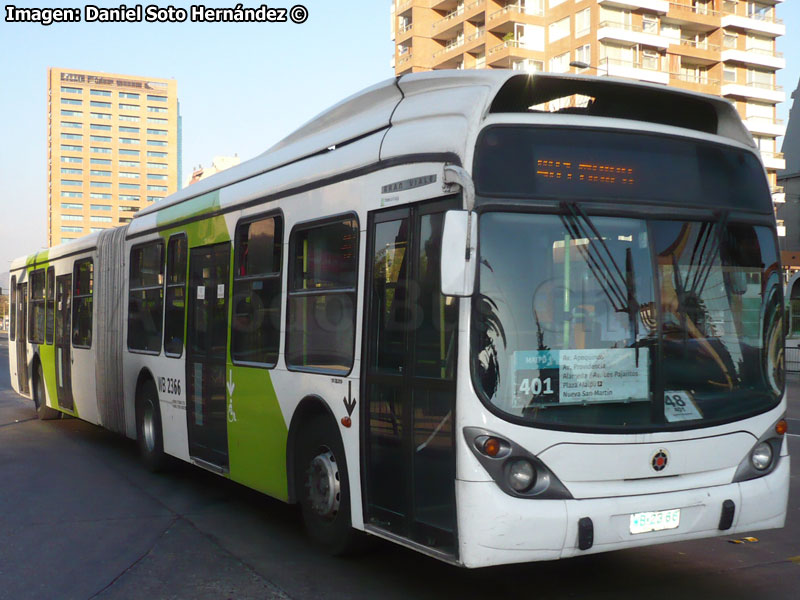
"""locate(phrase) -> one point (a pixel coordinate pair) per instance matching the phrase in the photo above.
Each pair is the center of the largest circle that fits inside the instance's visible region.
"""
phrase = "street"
(80, 517)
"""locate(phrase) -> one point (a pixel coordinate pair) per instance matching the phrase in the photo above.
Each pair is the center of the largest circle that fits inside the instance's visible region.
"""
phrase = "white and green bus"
(494, 317)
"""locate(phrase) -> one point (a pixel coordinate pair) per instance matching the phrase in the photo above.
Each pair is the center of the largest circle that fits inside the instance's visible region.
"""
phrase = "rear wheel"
(323, 489)
(148, 428)
(43, 411)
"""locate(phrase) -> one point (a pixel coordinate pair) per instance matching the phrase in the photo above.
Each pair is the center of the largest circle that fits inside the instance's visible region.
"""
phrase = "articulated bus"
(494, 317)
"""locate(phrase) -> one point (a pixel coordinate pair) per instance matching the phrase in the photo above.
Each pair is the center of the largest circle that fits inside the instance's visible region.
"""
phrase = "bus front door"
(63, 334)
(409, 383)
(22, 337)
(206, 355)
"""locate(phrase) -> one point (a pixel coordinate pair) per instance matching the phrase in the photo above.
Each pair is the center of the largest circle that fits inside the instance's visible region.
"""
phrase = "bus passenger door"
(63, 329)
(22, 337)
(409, 384)
(206, 355)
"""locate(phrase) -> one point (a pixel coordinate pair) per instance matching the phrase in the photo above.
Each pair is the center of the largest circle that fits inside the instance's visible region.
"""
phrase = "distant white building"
(789, 179)
(219, 163)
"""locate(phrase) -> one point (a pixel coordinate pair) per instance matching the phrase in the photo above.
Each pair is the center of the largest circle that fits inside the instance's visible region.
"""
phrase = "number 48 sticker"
(679, 406)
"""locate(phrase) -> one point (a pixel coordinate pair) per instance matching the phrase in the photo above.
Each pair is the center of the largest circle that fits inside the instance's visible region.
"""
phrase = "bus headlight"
(521, 475)
(761, 456)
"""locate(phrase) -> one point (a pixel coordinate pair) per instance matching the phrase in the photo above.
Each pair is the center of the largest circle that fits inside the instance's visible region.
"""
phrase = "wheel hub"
(323, 485)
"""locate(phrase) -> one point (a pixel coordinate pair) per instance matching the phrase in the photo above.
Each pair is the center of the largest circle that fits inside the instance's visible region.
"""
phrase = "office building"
(720, 47)
(113, 148)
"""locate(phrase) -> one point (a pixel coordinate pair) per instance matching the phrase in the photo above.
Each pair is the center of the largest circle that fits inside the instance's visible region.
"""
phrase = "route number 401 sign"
(679, 406)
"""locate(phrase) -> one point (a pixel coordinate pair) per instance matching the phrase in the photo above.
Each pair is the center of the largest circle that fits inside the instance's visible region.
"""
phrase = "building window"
(761, 79)
(71, 113)
(130, 141)
(650, 24)
(100, 93)
(129, 198)
(583, 22)
(129, 106)
(129, 163)
(100, 161)
(123, 220)
(156, 109)
(66, 171)
(71, 194)
(71, 136)
(71, 229)
(729, 74)
(129, 175)
(157, 121)
(99, 150)
(71, 182)
(100, 184)
(152, 165)
(36, 312)
(559, 29)
(146, 297)
(101, 206)
(157, 132)
(71, 217)
(154, 98)
(175, 312)
(100, 138)
(97, 126)
(71, 101)
(762, 12)
(129, 186)
(96, 115)
(156, 143)
(70, 90)
(156, 188)
(156, 176)
(729, 6)
(101, 173)
(98, 104)
(129, 95)
(156, 154)
(82, 290)
(322, 296)
(129, 118)
(99, 196)
(650, 60)
(560, 63)
(124, 152)
(256, 323)
(49, 327)
(100, 219)
(71, 206)
(71, 125)
(71, 148)
(129, 129)
(154, 198)
(71, 159)
(730, 40)
(584, 54)
(93, 229)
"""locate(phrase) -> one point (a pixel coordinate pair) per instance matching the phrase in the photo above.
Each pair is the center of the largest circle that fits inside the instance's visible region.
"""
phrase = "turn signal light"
(491, 447)
(781, 427)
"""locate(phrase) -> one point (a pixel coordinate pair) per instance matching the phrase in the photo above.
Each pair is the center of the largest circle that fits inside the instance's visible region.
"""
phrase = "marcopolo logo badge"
(660, 460)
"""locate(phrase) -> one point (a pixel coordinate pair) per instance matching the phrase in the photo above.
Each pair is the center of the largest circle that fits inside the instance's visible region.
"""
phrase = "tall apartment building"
(720, 47)
(113, 148)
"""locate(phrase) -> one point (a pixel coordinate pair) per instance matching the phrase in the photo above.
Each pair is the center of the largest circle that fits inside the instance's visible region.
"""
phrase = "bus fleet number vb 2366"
(167, 385)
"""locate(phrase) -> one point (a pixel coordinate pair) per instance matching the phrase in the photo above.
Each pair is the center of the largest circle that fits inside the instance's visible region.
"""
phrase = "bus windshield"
(608, 323)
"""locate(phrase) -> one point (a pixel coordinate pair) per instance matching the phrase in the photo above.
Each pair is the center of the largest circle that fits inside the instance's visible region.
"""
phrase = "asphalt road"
(81, 518)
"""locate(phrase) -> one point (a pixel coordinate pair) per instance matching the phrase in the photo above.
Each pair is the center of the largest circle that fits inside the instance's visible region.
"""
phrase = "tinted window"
(176, 296)
(257, 292)
(12, 332)
(322, 297)
(36, 314)
(569, 163)
(83, 282)
(146, 297)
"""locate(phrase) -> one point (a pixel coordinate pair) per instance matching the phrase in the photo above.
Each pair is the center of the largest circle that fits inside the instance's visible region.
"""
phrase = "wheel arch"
(309, 407)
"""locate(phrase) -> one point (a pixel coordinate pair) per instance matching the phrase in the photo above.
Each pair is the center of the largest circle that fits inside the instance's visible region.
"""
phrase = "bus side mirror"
(459, 256)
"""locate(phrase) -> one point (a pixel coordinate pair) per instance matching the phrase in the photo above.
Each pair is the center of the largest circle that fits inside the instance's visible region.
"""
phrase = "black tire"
(148, 428)
(44, 412)
(326, 515)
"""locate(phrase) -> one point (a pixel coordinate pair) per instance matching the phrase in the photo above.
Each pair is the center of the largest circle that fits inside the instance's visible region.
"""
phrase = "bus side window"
(37, 306)
(12, 328)
(175, 312)
(256, 325)
(82, 290)
(50, 306)
(146, 297)
(323, 272)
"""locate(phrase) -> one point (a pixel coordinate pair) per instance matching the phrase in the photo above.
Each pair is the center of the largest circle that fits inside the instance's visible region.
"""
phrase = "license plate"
(645, 522)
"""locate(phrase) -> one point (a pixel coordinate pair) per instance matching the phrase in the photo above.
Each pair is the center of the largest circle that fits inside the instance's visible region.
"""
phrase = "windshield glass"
(616, 323)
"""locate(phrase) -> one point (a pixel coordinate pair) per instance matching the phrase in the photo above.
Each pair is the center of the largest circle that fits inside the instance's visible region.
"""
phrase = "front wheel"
(323, 489)
(44, 412)
(148, 428)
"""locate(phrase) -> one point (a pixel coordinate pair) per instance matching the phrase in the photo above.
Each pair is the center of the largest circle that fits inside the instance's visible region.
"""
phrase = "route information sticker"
(580, 376)
(679, 406)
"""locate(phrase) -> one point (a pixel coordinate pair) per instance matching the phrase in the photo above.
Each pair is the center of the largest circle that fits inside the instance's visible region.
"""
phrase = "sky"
(242, 87)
